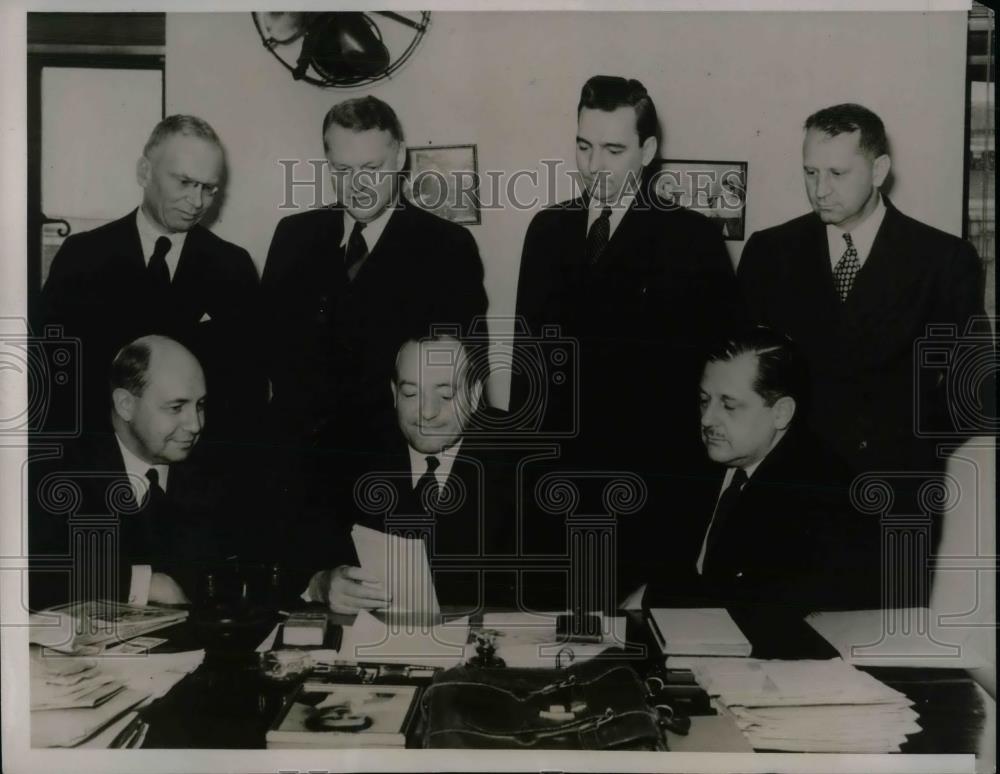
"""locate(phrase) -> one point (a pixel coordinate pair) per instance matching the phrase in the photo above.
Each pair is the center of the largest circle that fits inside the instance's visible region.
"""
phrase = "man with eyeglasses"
(157, 270)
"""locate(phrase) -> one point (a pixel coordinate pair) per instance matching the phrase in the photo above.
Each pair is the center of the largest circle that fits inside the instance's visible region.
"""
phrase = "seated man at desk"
(140, 520)
(776, 525)
(435, 479)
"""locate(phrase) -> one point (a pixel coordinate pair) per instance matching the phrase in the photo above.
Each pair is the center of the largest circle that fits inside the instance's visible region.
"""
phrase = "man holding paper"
(436, 484)
(776, 526)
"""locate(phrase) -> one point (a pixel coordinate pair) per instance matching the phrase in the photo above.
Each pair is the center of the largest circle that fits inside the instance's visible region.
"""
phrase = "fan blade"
(345, 45)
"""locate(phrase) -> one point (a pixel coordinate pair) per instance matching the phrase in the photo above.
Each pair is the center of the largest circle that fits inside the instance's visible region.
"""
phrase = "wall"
(732, 86)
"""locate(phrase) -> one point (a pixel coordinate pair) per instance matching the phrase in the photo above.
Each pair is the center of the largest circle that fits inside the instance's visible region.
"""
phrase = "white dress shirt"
(372, 230)
(136, 470)
(726, 481)
(862, 236)
(149, 232)
(618, 210)
(446, 458)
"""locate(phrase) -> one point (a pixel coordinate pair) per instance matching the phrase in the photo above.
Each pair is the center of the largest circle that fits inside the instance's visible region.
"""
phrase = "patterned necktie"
(158, 271)
(847, 269)
(599, 236)
(427, 486)
(723, 510)
(356, 252)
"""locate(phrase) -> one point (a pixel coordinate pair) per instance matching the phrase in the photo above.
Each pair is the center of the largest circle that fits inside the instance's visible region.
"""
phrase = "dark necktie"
(723, 510)
(158, 271)
(599, 236)
(356, 252)
(847, 269)
(427, 486)
(155, 494)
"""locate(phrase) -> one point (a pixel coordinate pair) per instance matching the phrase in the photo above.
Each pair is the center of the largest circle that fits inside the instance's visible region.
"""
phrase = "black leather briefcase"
(594, 705)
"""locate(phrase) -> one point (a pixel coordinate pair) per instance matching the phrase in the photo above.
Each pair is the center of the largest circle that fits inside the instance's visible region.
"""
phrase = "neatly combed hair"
(610, 92)
(850, 117)
(780, 369)
(130, 366)
(192, 126)
(361, 114)
(476, 361)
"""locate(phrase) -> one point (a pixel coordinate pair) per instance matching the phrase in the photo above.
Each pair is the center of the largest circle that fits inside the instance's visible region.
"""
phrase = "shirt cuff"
(138, 590)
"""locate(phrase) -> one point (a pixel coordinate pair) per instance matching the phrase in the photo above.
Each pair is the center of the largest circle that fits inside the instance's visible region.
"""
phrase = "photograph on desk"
(345, 716)
(609, 384)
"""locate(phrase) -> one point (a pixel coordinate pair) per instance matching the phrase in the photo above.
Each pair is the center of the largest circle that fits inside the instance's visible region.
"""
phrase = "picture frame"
(716, 189)
(345, 716)
(444, 180)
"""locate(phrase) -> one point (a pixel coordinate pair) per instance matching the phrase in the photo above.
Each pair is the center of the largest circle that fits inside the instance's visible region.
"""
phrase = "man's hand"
(164, 590)
(347, 590)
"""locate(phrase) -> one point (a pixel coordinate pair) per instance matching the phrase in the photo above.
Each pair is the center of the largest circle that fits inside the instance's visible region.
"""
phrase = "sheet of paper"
(370, 639)
(402, 567)
(907, 637)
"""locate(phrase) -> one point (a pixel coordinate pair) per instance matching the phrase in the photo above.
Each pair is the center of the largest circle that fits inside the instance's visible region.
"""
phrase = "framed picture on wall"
(444, 179)
(716, 189)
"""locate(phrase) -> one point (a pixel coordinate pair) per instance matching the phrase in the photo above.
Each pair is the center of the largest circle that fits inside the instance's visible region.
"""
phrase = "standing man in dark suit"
(856, 283)
(135, 484)
(343, 285)
(158, 271)
(642, 286)
(441, 478)
(773, 525)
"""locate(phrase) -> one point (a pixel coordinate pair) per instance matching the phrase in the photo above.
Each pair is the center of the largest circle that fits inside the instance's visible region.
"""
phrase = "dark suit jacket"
(862, 353)
(180, 536)
(791, 540)
(642, 316)
(99, 290)
(640, 320)
(330, 343)
(473, 550)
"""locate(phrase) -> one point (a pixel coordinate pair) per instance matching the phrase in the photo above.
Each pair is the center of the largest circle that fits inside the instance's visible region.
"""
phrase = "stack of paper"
(81, 625)
(809, 706)
(703, 631)
(92, 702)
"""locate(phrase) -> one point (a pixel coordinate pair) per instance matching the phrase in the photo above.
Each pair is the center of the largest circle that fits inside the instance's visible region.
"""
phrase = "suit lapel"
(130, 258)
(882, 277)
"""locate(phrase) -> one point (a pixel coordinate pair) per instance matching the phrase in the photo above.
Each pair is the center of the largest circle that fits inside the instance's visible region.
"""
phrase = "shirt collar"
(618, 210)
(862, 236)
(372, 230)
(135, 470)
(446, 458)
(149, 232)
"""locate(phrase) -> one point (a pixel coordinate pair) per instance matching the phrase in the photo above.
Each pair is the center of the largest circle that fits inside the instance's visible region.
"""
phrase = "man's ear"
(123, 402)
(649, 147)
(880, 169)
(476, 395)
(784, 410)
(400, 155)
(143, 171)
(392, 389)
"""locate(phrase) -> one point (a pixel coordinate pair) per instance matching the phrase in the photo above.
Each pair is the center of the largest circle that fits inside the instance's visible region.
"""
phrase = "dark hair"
(191, 126)
(780, 369)
(361, 114)
(476, 363)
(129, 368)
(610, 92)
(850, 117)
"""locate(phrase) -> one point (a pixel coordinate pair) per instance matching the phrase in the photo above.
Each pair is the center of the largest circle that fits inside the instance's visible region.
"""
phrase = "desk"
(228, 704)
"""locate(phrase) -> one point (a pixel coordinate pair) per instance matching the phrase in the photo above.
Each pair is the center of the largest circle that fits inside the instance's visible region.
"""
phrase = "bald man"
(137, 487)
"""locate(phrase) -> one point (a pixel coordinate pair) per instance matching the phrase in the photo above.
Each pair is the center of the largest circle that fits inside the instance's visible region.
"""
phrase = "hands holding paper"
(348, 590)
